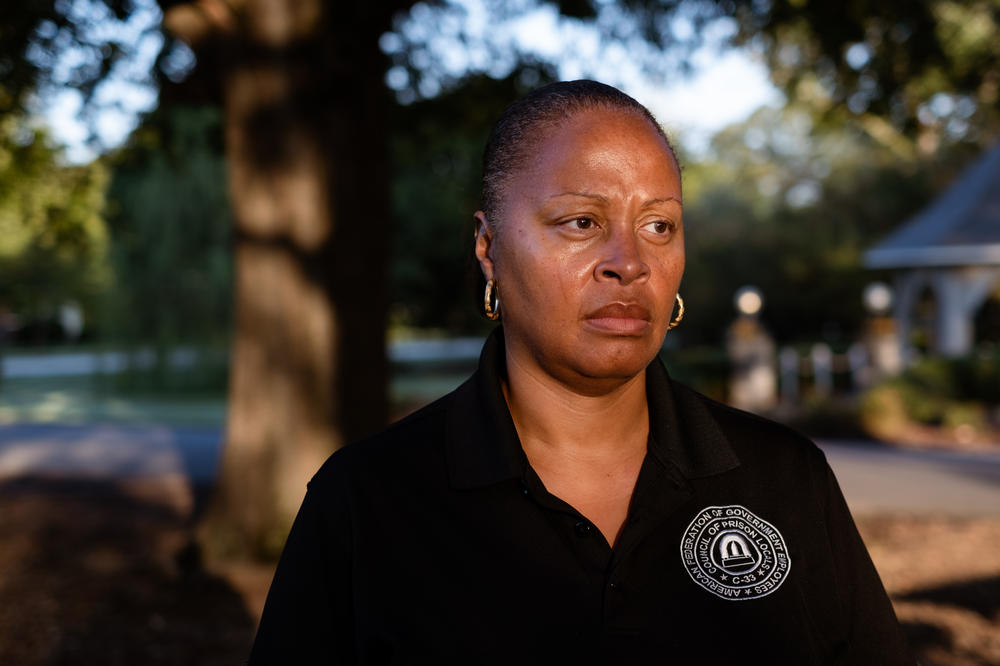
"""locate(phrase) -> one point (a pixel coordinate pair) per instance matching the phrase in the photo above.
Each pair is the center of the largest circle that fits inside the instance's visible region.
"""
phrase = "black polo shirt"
(434, 542)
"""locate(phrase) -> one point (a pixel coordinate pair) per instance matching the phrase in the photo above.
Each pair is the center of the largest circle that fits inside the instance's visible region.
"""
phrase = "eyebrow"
(604, 199)
(652, 202)
(587, 195)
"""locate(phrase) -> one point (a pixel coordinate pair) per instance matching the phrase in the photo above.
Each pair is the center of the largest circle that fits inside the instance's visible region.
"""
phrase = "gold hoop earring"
(680, 313)
(491, 300)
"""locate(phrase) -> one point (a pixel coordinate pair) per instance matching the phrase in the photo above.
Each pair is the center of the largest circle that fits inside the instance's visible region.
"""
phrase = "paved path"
(878, 478)
(109, 451)
(874, 478)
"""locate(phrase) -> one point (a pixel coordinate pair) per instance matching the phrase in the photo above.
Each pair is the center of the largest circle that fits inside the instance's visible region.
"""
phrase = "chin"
(620, 363)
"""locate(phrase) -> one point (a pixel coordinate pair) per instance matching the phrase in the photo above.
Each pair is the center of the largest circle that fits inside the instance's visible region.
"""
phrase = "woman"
(570, 503)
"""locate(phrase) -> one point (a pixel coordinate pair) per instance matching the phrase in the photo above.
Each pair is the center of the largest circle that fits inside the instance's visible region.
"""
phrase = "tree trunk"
(302, 88)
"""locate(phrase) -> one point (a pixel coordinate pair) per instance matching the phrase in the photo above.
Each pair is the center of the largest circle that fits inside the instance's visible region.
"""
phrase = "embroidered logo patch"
(734, 554)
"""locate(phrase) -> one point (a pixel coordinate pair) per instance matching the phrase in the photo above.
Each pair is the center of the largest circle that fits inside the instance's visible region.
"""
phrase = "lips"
(621, 311)
(620, 319)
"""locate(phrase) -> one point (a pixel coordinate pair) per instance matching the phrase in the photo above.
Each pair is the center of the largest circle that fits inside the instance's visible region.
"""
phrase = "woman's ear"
(485, 235)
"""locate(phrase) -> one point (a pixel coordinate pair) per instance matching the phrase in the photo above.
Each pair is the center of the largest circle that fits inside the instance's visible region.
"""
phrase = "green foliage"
(436, 148)
(53, 240)
(80, 44)
(706, 369)
(936, 392)
(171, 230)
(929, 68)
(967, 379)
(789, 205)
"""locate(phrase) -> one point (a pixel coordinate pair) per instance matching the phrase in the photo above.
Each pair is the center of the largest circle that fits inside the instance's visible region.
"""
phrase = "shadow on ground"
(90, 573)
(955, 624)
(980, 595)
(924, 637)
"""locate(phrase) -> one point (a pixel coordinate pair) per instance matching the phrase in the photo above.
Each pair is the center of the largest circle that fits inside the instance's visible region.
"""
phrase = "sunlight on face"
(590, 252)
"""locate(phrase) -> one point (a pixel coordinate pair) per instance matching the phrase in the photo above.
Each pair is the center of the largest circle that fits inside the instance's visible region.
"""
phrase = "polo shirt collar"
(683, 433)
(483, 447)
(482, 444)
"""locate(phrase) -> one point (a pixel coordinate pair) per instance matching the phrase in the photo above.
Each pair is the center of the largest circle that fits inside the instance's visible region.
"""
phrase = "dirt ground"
(944, 579)
(95, 573)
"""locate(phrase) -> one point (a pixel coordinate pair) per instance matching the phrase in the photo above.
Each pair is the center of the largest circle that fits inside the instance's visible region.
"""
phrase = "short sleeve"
(308, 616)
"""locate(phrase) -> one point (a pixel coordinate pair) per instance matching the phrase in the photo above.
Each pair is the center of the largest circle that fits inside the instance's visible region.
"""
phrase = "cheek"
(541, 282)
(676, 270)
(671, 267)
(681, 260)
(667, 273)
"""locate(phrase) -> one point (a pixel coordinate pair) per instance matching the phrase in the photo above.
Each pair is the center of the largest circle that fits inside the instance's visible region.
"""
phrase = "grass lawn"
(85, 399)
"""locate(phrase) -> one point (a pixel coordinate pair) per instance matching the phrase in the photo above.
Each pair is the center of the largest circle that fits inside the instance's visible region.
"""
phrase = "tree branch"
(199, 21)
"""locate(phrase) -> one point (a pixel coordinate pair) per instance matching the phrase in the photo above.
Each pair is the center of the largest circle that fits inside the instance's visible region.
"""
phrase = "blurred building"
(946, 261)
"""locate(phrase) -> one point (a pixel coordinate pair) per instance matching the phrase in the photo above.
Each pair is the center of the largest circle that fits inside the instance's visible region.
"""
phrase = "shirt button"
(583, 529)
(613, 586)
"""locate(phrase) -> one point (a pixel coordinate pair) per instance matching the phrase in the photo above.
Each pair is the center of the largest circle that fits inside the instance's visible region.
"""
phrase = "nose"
(622, 260)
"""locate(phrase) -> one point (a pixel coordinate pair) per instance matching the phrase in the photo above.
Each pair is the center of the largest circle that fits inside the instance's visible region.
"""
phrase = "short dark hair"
(517, 129)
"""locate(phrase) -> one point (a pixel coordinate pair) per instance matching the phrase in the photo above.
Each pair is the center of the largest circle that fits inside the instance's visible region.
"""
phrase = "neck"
(552, 417)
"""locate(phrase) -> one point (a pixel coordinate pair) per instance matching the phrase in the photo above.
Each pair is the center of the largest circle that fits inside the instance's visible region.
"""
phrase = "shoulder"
(756, 440)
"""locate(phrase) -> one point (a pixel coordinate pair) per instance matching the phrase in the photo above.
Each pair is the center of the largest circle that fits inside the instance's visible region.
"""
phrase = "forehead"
(601, 145)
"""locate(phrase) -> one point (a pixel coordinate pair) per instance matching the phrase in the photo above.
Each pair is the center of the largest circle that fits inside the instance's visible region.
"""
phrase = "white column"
(960, 292)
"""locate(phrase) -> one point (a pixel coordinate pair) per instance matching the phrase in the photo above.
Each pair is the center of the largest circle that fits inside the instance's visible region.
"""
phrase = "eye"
(582, 226)
(660, 227)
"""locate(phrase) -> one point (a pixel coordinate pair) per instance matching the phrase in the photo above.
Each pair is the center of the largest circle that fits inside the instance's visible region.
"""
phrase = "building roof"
(959, 228)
